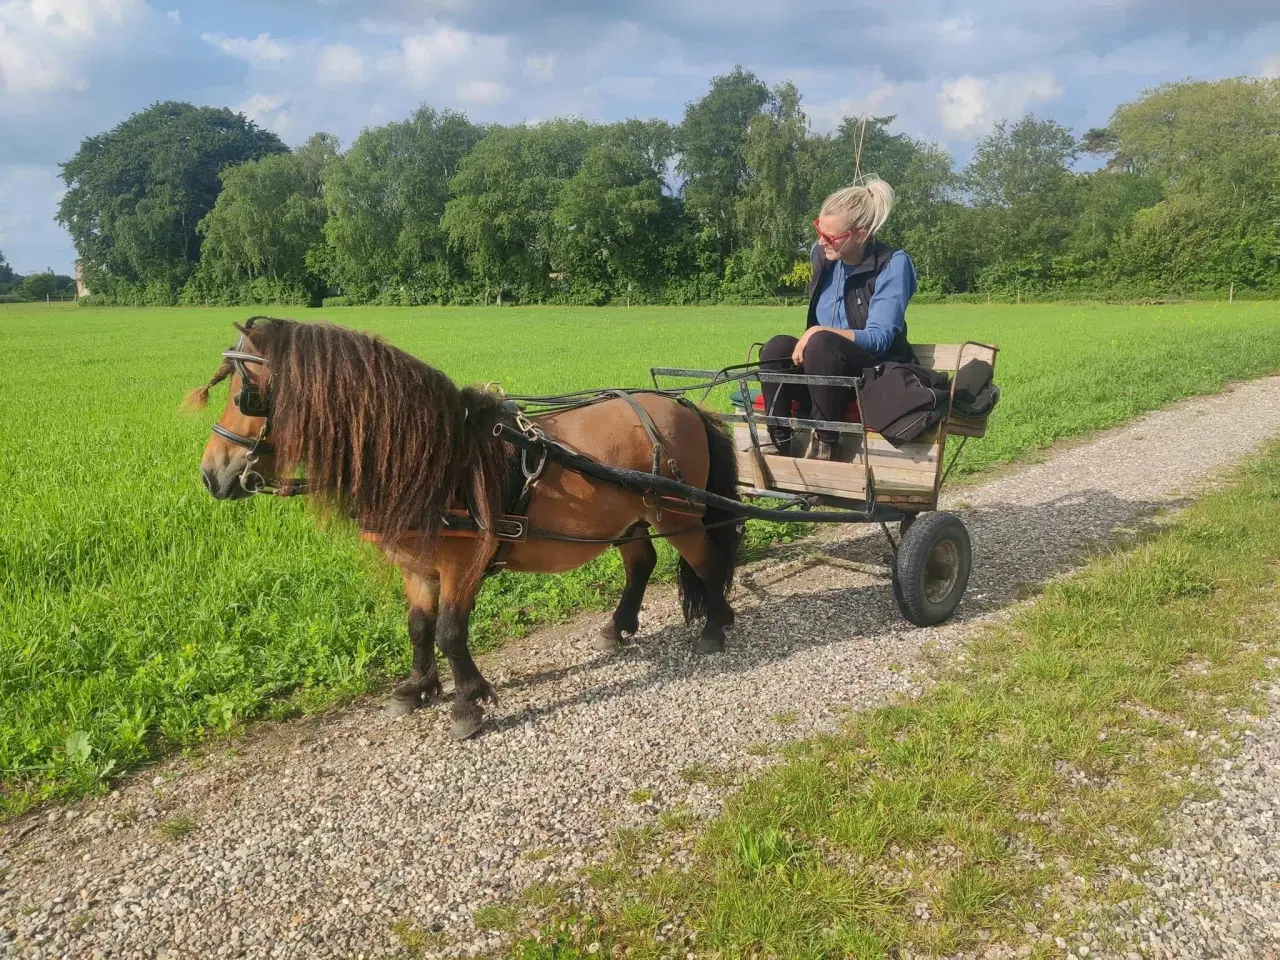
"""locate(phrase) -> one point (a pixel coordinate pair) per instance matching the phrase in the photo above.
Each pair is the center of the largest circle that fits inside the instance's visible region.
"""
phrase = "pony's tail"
(724, 529)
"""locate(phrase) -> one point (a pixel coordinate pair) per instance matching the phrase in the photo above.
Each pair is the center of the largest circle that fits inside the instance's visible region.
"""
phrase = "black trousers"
(825, 355)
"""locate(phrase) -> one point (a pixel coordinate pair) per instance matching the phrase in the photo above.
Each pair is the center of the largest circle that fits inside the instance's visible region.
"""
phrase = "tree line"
(34, 286)
(180, 204)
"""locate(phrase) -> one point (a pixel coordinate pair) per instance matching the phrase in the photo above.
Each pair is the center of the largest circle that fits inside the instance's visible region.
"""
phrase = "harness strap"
(655, 435)
(254, 445)
(648, 483)
(521, 510)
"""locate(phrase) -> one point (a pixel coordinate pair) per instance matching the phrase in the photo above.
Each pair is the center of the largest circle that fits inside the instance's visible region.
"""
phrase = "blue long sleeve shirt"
(887, 311)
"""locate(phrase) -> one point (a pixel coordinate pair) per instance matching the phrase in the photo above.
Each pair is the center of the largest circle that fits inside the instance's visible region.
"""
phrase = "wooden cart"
(876, 481)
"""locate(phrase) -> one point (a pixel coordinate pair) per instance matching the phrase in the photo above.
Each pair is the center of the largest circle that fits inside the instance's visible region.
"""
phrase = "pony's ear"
(244, 331)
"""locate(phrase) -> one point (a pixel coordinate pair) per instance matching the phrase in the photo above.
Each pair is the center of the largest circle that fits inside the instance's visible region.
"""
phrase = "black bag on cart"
(900, 401)
(976, 395)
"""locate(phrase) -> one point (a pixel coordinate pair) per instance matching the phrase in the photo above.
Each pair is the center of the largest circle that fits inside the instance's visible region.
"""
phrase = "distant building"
(81, 289)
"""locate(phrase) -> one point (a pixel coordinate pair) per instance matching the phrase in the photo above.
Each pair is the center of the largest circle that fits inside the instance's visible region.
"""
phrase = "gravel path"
(1215, 891)
(320, 838)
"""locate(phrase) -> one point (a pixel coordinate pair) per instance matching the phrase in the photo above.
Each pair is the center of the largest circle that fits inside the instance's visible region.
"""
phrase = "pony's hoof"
(608, 639)
(399, 706)
(711, 641)
(464, 728)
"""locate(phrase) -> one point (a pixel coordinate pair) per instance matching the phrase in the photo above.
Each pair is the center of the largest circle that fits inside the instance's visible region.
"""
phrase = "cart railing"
(720, 378)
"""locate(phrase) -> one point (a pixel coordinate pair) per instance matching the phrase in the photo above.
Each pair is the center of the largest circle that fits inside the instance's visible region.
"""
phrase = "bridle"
(254, 401)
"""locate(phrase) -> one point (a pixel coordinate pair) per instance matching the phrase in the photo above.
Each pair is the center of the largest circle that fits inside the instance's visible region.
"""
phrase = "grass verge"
(994, 810)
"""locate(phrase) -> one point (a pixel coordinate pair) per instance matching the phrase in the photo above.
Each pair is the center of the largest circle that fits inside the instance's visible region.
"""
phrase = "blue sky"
(947, 68)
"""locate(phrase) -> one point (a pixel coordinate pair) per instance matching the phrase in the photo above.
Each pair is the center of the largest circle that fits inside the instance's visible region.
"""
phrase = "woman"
(857, 313)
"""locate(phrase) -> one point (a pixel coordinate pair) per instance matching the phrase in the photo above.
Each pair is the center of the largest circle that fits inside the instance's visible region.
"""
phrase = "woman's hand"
(797, 355)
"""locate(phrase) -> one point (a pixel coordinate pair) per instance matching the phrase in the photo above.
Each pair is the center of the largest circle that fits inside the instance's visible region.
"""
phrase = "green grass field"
(136, 613)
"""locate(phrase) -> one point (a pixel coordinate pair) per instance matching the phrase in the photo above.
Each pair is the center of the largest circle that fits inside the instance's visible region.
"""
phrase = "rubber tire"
(909, 569)
(905, 523)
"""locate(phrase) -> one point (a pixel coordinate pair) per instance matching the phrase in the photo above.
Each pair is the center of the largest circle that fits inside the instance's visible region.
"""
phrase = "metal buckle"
(509, 528)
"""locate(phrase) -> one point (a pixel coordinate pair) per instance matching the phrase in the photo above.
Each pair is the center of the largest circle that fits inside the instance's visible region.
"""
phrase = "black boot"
(820, 449)
(781, 438)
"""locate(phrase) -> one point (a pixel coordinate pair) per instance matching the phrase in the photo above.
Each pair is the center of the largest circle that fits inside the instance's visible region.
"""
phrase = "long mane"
(386, 438)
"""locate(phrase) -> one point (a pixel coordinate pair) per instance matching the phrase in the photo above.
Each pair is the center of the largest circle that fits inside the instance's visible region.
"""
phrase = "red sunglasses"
(827, 238)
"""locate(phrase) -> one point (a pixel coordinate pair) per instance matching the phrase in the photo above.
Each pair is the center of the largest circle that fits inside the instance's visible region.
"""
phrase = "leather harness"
(512, 527)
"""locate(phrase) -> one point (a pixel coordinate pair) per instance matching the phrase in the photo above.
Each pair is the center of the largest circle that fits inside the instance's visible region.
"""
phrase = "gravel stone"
(296, 856)
(1215, 891)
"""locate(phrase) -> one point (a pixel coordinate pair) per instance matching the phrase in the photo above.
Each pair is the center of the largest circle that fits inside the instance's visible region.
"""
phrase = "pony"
(375, 434)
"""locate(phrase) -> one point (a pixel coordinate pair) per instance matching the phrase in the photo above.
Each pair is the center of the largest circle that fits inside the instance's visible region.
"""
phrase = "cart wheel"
(905, 523)
(932, 569)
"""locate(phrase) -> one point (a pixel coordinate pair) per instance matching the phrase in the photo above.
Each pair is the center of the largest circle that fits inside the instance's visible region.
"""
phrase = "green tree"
(712, 140)
(772, 212)
(1108, 202)
(614, 223)
(504, 195)
(1029, 160)
(38, 286)
(7, 277)
(1021, 184)
(264, 225)
(1213, 148)
(861, 149)
(385, 198)
(136, 193)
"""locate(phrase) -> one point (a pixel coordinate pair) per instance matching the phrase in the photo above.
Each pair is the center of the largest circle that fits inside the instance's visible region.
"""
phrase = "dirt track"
(315, 839)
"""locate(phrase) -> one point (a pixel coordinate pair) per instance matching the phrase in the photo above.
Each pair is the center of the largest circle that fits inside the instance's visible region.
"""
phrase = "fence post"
(1231, 297)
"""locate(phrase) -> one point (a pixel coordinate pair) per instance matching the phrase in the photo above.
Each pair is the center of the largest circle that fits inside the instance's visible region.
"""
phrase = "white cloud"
(267, 111)
(44, 44)
(826, 116)
(258, 51)
(483, 92)
(340, 64)
(1270, 67)
(173, 15)
(956, 30)
(422, 58)
(540, 69)
(970, 105)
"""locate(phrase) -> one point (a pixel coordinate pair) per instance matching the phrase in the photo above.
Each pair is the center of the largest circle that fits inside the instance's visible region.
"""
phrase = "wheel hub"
(940, 571)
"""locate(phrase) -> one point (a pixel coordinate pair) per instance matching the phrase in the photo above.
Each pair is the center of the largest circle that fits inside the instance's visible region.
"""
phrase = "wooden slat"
(844, 480)
(962, 427)
(918, 457)
(910, 470)
(943, 356)
(809, 476)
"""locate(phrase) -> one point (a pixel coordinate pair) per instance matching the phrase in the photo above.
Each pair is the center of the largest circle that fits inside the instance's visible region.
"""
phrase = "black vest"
(859, 287)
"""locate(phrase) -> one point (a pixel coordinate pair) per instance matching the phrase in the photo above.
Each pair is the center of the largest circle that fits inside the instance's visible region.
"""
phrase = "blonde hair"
(866, 205)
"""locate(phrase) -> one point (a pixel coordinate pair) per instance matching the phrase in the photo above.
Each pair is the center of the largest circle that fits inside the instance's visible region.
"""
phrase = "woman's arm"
(887, 311)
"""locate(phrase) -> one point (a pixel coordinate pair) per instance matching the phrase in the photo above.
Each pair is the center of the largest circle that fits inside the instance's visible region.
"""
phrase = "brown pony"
(391, 442)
